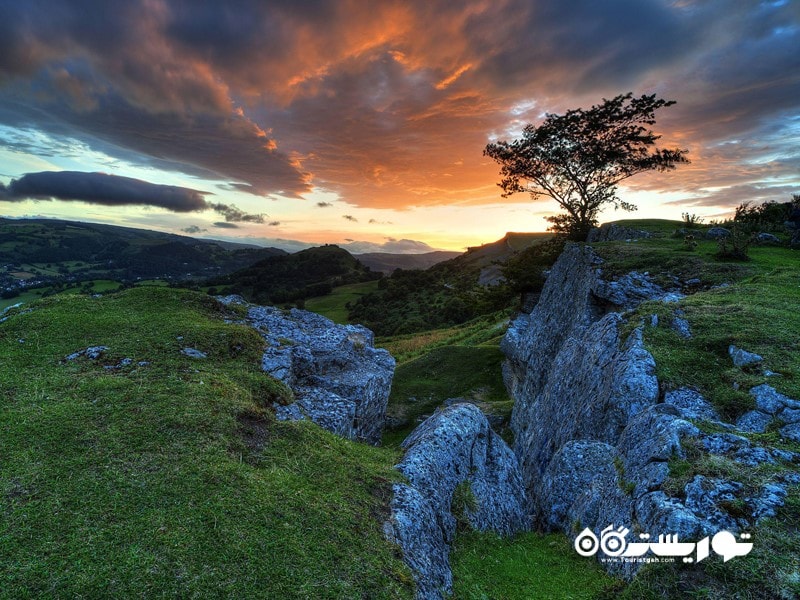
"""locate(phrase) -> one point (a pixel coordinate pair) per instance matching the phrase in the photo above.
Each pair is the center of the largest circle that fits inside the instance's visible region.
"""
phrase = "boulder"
(768, 239)
(630, 290)
(770, 401)
(681, 326)
(691, 404)
(716, 233)
(340, 380)
(454, 452)
(754, 421)
(743, 358)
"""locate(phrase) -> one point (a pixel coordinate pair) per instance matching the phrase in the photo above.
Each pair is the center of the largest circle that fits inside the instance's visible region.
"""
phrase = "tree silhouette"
(578, 158)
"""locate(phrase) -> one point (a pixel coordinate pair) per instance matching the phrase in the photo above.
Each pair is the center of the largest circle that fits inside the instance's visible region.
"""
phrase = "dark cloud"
(193, 229)
(324, 204)
(114, 190)
(274, 223)
(226, 225)
(233, 213)
(350, 218)
(99, 188)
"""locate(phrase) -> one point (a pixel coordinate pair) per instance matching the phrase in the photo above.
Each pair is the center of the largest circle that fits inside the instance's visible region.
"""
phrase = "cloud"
(390, 105)
(324, 204)
(100, 188)
(376, 222)
(226, 225)
(274, 223)
(232, 213)
(115, 190)
(350, 218)
(193, 229)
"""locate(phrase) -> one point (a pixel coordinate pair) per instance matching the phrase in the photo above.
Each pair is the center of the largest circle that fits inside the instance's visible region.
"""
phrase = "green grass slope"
(292, 277)
(170, 479)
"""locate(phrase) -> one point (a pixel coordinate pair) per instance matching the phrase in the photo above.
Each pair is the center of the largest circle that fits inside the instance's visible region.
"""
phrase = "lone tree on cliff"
(579, 158)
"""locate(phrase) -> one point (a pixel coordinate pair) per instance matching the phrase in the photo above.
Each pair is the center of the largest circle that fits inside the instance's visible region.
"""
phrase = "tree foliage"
(580, 157)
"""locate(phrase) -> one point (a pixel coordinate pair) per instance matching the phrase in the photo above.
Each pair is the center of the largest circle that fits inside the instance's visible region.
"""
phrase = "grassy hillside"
(293, 277)
(170, 479)
(53, 248)
(385, 262)
(334, 305)
(449, 293)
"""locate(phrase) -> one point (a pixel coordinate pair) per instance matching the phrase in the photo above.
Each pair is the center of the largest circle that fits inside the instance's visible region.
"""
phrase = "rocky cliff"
(593, 432)
(339, 379)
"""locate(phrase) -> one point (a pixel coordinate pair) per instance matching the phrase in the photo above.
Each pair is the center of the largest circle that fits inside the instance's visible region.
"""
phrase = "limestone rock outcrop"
(593, 433)
(340, 380)
(455, 466)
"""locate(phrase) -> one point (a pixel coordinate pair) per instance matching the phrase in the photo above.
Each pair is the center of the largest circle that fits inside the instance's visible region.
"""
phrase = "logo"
(613, 543)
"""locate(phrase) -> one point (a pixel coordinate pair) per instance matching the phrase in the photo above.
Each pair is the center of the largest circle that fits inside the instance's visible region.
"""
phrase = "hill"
(167, 476)
(385, 262)
(454, 291)
(293, 277)
(47, 249)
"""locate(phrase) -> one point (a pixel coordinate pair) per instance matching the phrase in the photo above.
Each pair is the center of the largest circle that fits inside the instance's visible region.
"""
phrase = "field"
(333, 305)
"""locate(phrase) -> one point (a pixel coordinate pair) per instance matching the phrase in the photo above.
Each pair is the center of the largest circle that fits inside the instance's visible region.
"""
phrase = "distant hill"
(90, 250)
(291, 277)
(385, 262)
(449, 293)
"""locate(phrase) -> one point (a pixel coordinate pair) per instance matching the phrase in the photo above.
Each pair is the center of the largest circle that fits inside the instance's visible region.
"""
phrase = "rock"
(784, 455)
(569, 475)
(768, 501)
(453, 449)
(753, 421)
(722, 443)
(92, 353)
(767, 239)
(790, 415)
(650, 439)
(791, 432)
(455, 445)
(194, 353)
(341, 381)
(632, 289)
(716, 233)
(693, 282)
(681, 327)
(691, 404)
(768, 400)
(609, 232)
(743, 358)
(291, 412)
(659, 514)
(414, 527)
(327, 409)
(753, 457)
(708, 499)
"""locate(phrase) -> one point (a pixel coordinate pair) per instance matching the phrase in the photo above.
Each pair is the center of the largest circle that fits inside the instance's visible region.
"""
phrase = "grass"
(334, 305)
(758, 309)
(488, 329)
(171, 479)
(421, 385)
(529, 565)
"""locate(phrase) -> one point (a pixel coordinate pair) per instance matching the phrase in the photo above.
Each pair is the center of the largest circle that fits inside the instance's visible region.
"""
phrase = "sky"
(362, 123)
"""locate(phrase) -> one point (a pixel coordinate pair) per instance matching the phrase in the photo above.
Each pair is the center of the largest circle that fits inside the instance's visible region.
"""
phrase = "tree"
(578, 158)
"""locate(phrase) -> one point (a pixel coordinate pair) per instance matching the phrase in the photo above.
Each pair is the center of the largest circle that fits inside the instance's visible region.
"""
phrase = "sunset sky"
(363, 123)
